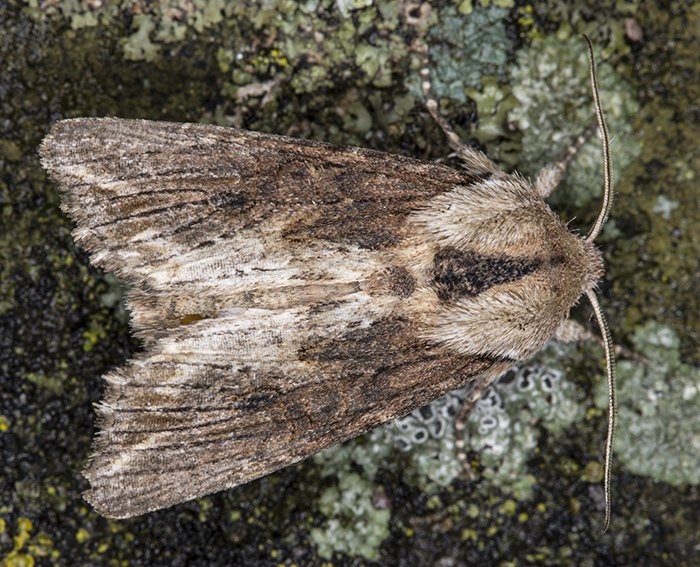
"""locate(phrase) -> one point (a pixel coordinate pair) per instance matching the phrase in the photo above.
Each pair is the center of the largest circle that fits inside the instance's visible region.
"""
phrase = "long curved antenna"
(607, 160)
(602, 323)
(612, 400)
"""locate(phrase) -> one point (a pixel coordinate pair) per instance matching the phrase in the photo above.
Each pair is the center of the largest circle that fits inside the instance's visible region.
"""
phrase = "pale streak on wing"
(133, 186)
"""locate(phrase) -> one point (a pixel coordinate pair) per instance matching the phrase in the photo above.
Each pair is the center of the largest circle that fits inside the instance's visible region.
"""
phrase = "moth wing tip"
(105, 507)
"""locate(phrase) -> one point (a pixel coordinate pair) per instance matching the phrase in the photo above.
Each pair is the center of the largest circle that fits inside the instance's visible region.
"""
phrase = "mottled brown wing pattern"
(130, 182)
(189, 211)
(180, 426)
(263, 283)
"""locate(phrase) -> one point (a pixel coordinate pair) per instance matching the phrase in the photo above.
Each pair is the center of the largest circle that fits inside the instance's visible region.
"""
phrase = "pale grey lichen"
(503, 425)
(355, 525)
(430, 422)
(367, 451)
(346, 7)
(427, 437)
(357, 519)
(658, 430)
(502, 429)
(665, 206)
(551, 84)
(465, 48)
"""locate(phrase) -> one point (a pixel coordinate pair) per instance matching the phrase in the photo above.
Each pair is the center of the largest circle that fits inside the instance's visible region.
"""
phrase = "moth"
(292, 294)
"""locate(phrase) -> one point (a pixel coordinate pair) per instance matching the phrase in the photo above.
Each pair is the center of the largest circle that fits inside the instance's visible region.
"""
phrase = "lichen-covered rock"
(464, 50)
(551, 84)
(658, 430)
(356, 523)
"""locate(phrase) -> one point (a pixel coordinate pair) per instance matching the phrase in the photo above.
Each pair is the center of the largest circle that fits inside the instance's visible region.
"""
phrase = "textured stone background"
(512, 77)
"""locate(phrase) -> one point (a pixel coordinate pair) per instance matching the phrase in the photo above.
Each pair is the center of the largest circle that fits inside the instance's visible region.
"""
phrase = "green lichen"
(654, 269)
(551, 84)
(139, 45)
(465, 49)
(27, 548)
(426, 436)
(503, 426)
(264, 53)
(367, 452)
(345, 7)
(494, 102)
(658, 430)
(605, 25)
(434, 466)
(154, 24)
(355, 524)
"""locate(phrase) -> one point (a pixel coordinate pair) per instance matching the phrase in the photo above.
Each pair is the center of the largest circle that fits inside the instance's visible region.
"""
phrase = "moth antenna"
(612, 400)
(602, 323)
(607, 160)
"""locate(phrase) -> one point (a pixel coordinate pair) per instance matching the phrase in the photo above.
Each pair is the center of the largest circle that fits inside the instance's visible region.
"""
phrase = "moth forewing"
(293, 294)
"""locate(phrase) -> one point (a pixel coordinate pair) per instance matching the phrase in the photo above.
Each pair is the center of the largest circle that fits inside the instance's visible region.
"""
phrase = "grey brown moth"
(293, 294)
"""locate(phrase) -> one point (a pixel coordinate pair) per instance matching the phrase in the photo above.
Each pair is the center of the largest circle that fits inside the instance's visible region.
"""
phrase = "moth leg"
(570, 331)
(480, 386)
(549, 177)
(475, 162)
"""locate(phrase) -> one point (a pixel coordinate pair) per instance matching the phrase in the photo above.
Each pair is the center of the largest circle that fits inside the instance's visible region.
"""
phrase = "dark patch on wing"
(394, 280)
(231, 201)
(458, 273)
(388, 361)
(400, 282)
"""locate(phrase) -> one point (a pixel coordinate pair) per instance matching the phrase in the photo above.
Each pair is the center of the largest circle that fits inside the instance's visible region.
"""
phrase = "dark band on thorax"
(458, 273)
